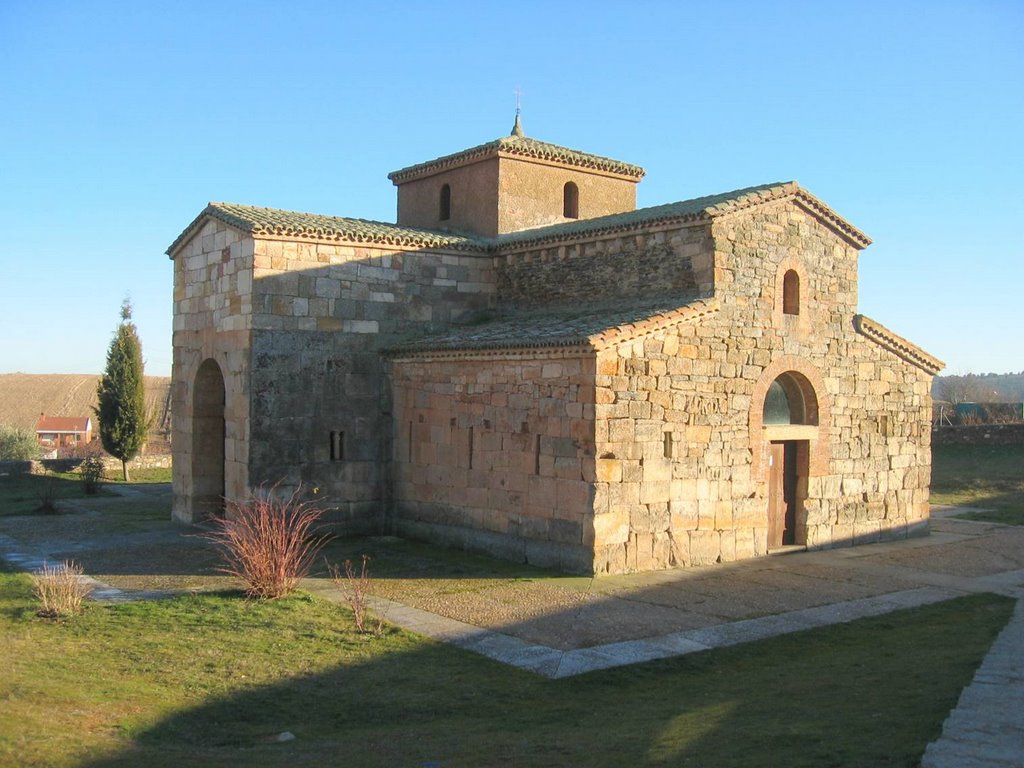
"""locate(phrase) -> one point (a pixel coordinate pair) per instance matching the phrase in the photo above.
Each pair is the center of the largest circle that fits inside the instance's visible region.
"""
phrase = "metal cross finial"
(517, 128)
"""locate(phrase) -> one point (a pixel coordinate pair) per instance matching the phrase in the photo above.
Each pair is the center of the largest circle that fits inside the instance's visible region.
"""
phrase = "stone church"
(527, 365)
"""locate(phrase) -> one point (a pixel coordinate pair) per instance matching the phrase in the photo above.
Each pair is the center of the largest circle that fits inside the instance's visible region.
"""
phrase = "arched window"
(790, 400)
(571, 201)
(791, 293)
(445, 205)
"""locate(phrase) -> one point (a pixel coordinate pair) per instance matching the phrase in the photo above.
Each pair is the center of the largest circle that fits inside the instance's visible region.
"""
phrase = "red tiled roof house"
(57, 431)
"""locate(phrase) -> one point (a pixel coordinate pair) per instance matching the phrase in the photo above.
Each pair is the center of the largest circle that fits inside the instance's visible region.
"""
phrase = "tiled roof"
(899, 346)
(524, 147)
(593, 326)
(271, 221)
(698, 208)
(62, 424)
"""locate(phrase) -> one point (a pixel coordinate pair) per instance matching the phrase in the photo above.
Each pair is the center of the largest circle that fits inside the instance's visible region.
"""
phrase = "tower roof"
(519, 145)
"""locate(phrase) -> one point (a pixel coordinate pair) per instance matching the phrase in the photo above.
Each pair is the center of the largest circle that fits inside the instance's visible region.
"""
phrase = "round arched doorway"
(789, 419)
(208, 398)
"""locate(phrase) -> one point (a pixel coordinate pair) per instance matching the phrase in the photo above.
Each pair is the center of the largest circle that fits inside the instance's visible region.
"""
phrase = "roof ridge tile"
(273, 221)
(523, 146)
(896, 344)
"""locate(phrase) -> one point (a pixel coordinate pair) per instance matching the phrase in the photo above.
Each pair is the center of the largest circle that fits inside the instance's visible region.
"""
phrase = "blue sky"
(120, 120)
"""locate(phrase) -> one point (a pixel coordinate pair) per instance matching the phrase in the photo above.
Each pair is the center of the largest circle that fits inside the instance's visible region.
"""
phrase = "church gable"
(783, 264)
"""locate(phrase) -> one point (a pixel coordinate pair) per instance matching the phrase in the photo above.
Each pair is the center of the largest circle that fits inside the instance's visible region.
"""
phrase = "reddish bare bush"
(269, 541)
(355, 587)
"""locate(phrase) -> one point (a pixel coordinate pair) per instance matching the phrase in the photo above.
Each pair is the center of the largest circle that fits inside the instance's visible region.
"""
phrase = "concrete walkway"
(986, 730)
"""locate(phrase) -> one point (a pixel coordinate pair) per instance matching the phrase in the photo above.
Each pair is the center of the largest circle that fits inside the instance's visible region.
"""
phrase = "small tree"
(17, 444)
(122, 405)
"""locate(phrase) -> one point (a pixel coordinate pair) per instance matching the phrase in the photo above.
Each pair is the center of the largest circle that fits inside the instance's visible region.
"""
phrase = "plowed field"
(24, 396)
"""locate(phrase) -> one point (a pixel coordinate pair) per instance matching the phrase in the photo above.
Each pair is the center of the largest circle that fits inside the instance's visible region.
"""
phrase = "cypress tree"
(122, 405)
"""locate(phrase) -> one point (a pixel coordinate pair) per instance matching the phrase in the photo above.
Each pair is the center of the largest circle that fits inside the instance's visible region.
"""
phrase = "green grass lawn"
(142, 475)
(985, 476)
(213, 679)
(23, 494)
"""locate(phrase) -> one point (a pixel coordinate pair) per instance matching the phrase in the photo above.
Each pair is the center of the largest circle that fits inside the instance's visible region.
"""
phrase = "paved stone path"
(986, 730)
(789, 593)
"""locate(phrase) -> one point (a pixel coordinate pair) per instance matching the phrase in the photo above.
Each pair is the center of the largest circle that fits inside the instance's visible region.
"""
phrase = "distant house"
(57, 431)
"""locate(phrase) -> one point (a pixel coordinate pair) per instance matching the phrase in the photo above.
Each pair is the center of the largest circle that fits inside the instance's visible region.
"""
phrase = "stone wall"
(532, 194)
(497, 454)
(474, 200)
(110, 464)
(321, 315)
(660, 262)
(682, 453)
(979, 434)
(213, 284)
(496, 195)
(669, 466)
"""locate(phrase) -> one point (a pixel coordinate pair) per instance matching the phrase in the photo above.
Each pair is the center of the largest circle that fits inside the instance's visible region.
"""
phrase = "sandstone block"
(611, 527)
(620, 430)
(727, 546)
(705, 547)
(744, 543)
(723, 515)
(683, 515)
(608, 470)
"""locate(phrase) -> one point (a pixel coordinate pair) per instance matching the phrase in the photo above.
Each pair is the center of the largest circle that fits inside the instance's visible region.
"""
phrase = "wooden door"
(789, 485)
(776, 494)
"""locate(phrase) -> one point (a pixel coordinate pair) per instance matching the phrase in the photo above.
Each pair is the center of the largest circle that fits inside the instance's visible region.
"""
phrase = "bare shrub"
(355, 587)
(268, 541)
(60, 589)
(47, 495)
(91, 472)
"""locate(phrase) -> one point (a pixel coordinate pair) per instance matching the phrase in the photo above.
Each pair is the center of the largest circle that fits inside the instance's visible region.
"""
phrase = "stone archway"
(789, 426)
(208, 399)
(789, 422)
(799, 379)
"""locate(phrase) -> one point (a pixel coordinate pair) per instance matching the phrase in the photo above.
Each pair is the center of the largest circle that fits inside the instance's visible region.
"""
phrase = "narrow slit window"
(536, 455)
(570, 201)
(791, 293)
(445, 203)
(410, 442)
(337, 446)
(470, 446)
(668, 445)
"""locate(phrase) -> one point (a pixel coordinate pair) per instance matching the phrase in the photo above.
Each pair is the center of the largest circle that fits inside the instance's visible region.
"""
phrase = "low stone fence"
(161, 461)
(979, 434)
(110, 465)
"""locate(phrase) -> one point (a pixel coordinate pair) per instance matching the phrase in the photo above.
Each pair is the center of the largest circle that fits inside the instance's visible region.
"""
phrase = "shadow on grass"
(869, 693)
(25, 494)
(872, 692)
